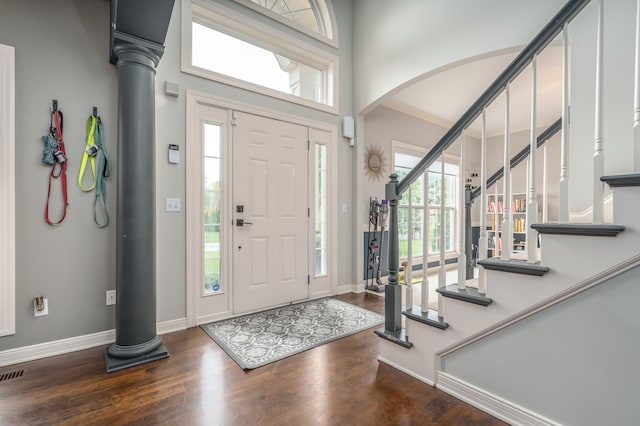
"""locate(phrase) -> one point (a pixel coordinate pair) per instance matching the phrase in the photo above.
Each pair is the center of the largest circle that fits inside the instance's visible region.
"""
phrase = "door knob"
(241, 222)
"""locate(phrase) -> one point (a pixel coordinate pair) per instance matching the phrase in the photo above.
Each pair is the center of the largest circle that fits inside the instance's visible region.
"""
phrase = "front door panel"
(270, 182)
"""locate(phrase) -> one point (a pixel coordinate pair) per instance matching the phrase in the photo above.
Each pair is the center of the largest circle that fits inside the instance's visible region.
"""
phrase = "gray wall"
(62, 51)
(574, 363)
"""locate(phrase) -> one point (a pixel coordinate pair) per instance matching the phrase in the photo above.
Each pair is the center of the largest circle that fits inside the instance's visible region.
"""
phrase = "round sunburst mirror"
(374, 162)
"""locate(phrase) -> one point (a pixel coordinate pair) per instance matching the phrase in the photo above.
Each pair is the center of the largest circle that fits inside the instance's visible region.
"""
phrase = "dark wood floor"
(340, 383)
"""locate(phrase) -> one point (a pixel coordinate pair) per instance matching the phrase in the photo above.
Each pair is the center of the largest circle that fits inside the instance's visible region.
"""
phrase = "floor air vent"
(11, 375)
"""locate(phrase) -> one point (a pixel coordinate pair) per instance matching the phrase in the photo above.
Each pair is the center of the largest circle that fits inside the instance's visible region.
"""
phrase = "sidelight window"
(212, 203)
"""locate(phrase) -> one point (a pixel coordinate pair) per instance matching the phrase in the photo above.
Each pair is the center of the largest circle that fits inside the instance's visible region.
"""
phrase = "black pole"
(468, 202)
(136, 338)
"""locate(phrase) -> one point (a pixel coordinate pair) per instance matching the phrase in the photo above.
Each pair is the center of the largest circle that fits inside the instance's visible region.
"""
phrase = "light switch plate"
(173, 205)
(111, 297)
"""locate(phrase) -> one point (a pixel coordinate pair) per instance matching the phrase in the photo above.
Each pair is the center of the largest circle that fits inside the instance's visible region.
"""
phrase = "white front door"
(270, 197)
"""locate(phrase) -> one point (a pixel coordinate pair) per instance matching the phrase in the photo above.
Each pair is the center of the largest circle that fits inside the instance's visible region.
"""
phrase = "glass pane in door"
(212, 207)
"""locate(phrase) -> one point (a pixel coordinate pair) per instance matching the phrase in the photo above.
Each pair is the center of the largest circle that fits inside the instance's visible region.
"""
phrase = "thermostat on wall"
(174, 154)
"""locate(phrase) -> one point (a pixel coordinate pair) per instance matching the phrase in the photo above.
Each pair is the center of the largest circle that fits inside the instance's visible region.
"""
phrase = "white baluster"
(598, 149)
(532, 204)
(424, 295)
(563, 207)
(482, 241)
(545, 172)
(408, 267)
(636, 98)
(442, 272)
(462, 257)
(507, 230)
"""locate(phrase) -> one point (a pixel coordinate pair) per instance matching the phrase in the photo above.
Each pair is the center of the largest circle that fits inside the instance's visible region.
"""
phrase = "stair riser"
(626, 201)
(579, 257)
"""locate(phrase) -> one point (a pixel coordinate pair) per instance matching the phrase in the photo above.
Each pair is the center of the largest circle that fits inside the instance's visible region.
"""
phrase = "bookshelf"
(495, 212)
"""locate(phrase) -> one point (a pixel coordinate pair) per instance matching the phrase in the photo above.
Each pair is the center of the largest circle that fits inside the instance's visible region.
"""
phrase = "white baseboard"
(404, 370)
(78, 343)
(171, 326)
(489, 403)
(359, 288)
(346, 288)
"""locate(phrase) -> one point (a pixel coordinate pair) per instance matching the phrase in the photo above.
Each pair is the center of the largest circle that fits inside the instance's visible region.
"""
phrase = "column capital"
(126, 51)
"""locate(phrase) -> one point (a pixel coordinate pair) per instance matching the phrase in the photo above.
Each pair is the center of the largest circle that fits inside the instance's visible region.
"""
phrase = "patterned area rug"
(258, 339)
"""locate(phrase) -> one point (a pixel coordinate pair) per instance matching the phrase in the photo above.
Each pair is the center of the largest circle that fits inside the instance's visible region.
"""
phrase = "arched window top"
(313, 17)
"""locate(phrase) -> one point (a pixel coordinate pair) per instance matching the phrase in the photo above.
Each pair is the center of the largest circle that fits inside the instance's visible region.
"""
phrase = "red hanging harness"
(61, 172)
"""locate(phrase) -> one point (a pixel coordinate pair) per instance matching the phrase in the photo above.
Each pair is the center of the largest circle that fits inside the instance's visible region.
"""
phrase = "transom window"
(309, 16)
(231, 48)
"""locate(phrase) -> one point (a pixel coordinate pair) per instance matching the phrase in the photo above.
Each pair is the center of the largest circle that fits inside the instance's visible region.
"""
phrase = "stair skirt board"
(489, 403)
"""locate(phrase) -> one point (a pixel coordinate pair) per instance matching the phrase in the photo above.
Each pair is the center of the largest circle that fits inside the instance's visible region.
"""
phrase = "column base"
(116, 364)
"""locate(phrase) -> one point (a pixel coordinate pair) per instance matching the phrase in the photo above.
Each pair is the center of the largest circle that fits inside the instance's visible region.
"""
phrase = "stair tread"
(631, 179)
(399, 338)
(514, 266)
(588, 229)
(430, 317)
(469, 294)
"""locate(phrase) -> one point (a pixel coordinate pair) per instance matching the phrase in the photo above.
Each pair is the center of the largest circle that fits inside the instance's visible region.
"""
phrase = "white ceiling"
(442, 98)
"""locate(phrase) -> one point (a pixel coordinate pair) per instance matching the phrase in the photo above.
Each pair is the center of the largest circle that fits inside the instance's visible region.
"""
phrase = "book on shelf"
(518, 206)
(518, 225)
(494, 242)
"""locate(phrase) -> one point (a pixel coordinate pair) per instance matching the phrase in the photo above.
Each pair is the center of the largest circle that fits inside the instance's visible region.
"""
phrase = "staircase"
(468, 346)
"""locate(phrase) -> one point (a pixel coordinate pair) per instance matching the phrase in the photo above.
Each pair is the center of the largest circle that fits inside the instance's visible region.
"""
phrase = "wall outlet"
(45, 309)
(111, 297)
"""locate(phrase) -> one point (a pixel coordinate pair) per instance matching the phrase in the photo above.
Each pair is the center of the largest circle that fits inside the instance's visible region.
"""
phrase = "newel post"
(393, 292)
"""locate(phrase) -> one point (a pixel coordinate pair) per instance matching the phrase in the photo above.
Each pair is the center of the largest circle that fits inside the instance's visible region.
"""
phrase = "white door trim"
(325, 286)
(7, 191)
